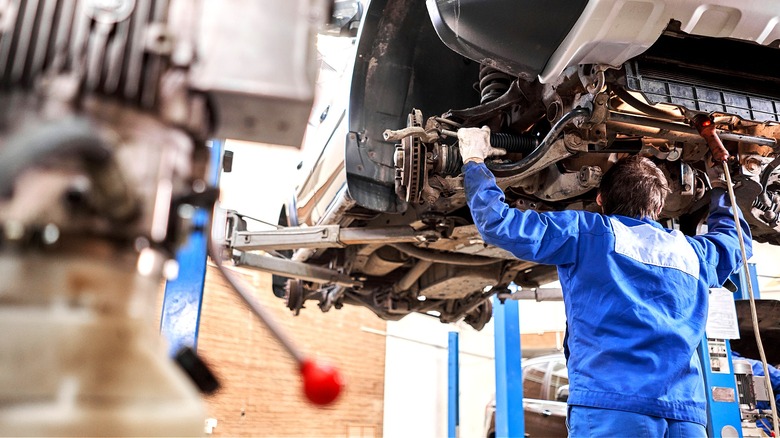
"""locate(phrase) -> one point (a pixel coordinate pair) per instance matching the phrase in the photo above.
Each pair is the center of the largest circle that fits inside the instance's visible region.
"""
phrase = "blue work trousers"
(584, 422)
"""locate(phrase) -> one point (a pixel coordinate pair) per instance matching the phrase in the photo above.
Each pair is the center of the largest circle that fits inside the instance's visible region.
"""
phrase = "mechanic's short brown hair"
(634, 187)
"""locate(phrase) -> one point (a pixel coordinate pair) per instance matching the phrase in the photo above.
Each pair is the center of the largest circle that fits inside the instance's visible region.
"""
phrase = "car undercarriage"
(409, 94)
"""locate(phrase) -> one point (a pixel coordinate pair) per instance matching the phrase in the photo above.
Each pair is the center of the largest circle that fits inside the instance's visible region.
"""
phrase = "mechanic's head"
(634, 187)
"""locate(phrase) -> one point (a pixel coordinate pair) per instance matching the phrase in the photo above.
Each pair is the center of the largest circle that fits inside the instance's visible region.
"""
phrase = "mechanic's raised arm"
(527, 234)
(721, 243)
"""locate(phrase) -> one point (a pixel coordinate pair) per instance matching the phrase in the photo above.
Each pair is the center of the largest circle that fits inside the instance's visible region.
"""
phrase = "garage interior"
(251, 219)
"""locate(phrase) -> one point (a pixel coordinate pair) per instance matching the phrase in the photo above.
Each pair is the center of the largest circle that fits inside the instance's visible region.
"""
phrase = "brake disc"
(480, 316)
(409, 161)
(294, 296)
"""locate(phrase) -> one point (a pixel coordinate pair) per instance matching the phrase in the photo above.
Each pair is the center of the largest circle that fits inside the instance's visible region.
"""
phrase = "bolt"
(573, 139)
(752, 165)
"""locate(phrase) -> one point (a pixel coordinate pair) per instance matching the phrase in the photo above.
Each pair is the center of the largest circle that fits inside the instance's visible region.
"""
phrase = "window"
(559, 382)
(533, 380)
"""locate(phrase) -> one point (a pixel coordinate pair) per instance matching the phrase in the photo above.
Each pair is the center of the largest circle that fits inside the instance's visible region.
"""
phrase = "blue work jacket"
(635, 295)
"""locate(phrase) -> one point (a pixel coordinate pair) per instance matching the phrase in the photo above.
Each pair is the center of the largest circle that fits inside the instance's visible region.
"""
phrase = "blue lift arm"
(184, 295)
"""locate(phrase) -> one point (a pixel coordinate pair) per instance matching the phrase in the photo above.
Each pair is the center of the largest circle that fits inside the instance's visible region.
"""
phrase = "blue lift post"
(184, 295)
(510, 421)
(739, 279)
(453, 388)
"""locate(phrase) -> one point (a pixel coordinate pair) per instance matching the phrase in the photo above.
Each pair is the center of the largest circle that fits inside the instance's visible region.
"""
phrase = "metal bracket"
(326, 236)
(240, 241)
(290, 268)
(320, 236)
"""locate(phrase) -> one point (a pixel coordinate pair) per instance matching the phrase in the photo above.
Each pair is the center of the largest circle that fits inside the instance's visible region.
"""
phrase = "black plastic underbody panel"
(401, 64)
(710, 75)
(515, 36)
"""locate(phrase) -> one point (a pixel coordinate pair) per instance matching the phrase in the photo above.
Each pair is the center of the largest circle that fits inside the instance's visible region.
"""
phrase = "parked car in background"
(567, 86)
(545, 392)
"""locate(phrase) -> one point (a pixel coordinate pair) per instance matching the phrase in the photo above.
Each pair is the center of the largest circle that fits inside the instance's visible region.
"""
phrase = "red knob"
(322, 383)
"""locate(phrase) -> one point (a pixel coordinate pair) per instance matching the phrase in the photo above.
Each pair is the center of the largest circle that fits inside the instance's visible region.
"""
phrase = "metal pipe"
(544, 146)
(626, 127)
(685, 132)
(539, 294)
(293, 269)
(412, 275)
(243, 291)
(653, 123)
(753, 139)
(443, 257)
(648, 109)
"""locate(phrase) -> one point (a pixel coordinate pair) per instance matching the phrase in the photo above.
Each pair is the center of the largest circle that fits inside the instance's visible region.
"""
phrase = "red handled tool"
(706, 129)
(322, 383)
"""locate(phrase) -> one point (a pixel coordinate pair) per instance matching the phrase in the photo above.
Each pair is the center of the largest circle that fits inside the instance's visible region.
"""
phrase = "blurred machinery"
(751, 392)
(105, 109)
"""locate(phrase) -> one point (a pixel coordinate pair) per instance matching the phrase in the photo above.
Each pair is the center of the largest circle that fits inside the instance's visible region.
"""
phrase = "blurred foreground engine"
(105, 109)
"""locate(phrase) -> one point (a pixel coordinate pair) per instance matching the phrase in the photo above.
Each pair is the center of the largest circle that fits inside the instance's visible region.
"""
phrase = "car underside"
(421, 75)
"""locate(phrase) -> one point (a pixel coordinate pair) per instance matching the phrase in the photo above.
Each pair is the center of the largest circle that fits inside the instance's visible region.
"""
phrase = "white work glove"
(716, 174)
(474, 144)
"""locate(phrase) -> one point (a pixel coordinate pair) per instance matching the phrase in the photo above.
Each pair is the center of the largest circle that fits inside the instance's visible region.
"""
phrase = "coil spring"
(760, 205)
(492, 83)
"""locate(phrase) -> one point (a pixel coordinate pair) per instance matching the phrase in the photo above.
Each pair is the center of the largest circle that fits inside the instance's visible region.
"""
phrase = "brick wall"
(261, 393)
(542, 340)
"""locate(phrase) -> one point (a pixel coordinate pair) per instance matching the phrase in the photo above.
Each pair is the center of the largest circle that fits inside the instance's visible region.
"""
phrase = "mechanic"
(635, 293)
(774, 380)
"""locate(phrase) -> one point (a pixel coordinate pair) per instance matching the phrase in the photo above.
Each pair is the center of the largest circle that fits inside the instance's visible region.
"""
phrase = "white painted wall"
(416, 381)
(416, 371)
(262, 180)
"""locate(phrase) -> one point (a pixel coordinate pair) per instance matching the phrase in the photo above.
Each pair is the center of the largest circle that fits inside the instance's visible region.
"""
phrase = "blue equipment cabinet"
(715, 354)
(722, 402)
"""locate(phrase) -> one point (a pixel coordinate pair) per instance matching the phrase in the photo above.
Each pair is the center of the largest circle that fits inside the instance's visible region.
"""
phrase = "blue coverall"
(635, 296)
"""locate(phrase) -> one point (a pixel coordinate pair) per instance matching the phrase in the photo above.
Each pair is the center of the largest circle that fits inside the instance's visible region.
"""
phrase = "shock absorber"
(492, 83)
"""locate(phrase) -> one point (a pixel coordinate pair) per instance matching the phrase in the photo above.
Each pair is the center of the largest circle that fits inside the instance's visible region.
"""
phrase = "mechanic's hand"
(716, 173)
(475, 146)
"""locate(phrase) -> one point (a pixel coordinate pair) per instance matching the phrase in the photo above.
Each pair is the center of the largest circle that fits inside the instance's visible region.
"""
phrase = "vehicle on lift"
(567, 87)
(545, 392)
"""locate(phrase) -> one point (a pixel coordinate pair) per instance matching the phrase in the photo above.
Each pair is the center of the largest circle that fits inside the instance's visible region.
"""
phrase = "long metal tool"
(753, 313)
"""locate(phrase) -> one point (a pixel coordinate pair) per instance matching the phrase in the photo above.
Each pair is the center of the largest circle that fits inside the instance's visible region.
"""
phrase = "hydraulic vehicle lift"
(714, 352)
(724, 412)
